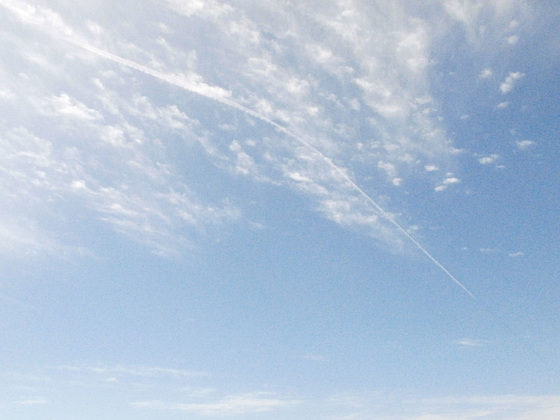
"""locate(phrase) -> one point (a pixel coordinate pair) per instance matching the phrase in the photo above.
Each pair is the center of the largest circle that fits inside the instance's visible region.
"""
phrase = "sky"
(279, 209)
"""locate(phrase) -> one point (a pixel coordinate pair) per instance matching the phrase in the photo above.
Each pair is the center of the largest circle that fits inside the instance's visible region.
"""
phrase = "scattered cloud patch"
(514, 23)
(503, 105)
(237, 404)
(516, 254)
(64, 105)
(32, 401)
(362, 406)
(525, 144)
(397, 182)
(518, 407)
(485, 74)
(464, 11)
(487, 160)
(132, 371)
(510, 81)
(451, 180)
(472, 342)
(489, 250)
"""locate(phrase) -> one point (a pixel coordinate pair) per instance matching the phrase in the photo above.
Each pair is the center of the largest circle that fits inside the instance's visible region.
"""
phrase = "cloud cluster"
(510, 81)
(299, 95)
(229, 405)
(157, 389)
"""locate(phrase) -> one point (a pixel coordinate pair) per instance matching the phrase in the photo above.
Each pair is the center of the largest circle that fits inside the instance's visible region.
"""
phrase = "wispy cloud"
(308, 117)
(485, 74)
(510, 81)
(487, 160)
(525, 144)
(365, 406)
(516, 407)
(489, 22)
(156, 390)
(100, 149)
(32, 401)
(65, 106)
(447, 182)
(237, 404)
(472, 342)
(147, 371)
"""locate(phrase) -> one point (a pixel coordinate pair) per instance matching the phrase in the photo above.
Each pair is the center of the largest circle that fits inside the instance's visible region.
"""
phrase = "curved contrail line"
(202, 90)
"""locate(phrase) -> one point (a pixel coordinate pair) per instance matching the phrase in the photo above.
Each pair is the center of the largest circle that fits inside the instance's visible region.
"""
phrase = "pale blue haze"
(279, 209)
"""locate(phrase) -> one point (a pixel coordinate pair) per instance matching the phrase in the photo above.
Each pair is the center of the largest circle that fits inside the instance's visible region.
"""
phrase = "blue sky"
(277, 209)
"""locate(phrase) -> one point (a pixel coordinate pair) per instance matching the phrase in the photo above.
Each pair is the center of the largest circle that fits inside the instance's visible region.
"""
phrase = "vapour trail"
(206, 91)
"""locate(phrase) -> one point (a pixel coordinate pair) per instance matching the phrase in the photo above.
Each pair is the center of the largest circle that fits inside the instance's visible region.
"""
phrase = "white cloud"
(244, 164)
(510, 81)
(264, 81)
(525, 144)
(514, 407)
(47, 174)
(487, 160)
(448, 181)
(513, 24)
(22, 237)
(365, 406)
(487, 23)
(206, 8)
(6, 94)
(147, 384)
(389, 168)
(451, 180)
(51, 177)
(463, 10)
(127, 370)
(99, 151)
(503, 105)
(512, 40)
(311, 102)
(516, 254)
(472, 342)
(64, 105)
(43, 17)
(237, 404)
(485, 74)
(33, 401)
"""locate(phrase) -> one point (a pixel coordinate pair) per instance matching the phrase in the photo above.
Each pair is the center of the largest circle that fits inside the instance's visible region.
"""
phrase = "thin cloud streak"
(472, 342)
(220, 95)
(250, 403)
(210, 93)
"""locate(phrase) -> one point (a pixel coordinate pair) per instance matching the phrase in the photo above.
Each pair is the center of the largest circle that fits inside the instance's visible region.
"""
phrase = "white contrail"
(205, 90)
